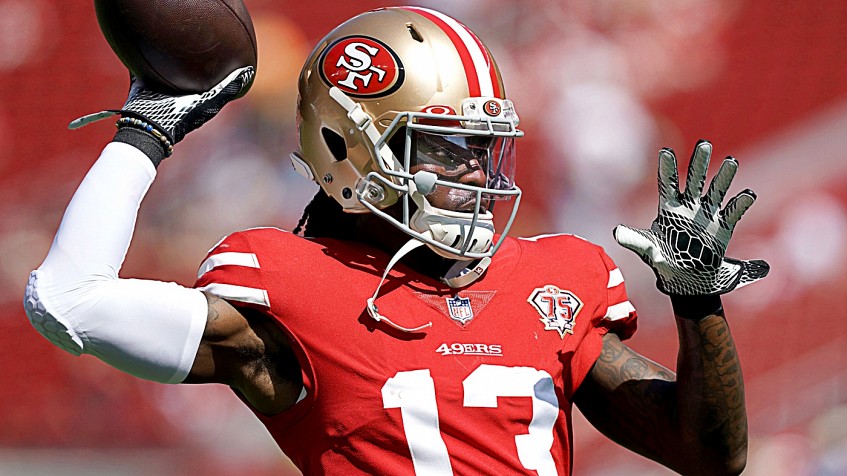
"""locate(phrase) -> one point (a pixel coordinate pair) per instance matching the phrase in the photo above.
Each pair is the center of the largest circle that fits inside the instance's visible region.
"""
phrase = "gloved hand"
(175, 116)
(685, 246)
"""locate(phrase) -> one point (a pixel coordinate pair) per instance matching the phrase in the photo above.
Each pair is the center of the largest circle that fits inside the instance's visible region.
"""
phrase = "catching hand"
(686, 244)
(175, 116)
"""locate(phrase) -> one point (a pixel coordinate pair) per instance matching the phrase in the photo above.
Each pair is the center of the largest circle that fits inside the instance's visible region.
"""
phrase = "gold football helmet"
(400, 104)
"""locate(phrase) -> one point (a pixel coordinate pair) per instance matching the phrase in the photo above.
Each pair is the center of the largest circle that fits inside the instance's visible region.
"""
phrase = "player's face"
(459, 159)
(456, 159)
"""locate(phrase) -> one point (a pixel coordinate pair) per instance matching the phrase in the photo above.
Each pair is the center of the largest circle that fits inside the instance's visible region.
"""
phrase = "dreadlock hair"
(323, 217)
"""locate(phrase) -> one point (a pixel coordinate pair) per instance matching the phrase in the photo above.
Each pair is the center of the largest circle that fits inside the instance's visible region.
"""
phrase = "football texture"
(179, 46)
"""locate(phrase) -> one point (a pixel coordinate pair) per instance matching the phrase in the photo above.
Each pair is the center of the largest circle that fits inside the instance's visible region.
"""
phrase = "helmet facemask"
(452, 168)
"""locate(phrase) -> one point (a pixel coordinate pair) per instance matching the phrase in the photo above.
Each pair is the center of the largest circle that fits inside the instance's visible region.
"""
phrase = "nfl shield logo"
(460, 309)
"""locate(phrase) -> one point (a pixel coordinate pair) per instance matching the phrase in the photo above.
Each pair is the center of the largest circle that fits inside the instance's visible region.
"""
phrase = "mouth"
(459, 201)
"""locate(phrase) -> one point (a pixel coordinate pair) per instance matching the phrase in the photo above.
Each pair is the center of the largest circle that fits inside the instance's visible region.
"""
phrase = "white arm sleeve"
(75, 299)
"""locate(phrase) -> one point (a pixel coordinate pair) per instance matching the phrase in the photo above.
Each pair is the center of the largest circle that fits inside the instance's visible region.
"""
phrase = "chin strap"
(459, 276)
(365, 124)
(372, 309)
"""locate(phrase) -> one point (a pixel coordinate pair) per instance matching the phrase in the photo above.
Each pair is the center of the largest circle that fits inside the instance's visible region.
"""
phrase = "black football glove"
(175, 116)
(685, 246)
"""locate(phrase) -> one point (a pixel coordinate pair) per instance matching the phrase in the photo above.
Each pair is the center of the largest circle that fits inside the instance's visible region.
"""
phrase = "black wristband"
(143, 141)
(695, 308)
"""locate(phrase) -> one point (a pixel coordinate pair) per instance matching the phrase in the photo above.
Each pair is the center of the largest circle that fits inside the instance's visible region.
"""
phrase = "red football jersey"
(486, 389)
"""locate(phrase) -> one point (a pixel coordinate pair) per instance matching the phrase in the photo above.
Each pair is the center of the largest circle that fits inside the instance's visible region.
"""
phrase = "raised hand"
(175, 116)
(687, 241)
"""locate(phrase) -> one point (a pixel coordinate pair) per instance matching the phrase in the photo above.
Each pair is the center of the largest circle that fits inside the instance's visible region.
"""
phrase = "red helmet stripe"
(492, 72)
(478, 66)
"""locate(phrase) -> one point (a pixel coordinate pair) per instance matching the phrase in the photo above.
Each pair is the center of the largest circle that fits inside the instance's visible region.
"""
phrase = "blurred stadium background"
(599, 85)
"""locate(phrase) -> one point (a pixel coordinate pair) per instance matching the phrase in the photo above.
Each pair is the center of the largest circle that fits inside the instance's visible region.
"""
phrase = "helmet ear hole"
(335, 143)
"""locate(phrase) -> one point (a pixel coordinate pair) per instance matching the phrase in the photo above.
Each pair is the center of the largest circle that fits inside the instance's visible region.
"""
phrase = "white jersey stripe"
(615, 278)
(230, 258)
(231, 292)
(486, 88)
(619, 311)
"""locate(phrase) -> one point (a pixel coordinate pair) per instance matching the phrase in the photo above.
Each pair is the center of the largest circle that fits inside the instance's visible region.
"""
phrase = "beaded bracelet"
(139, 124)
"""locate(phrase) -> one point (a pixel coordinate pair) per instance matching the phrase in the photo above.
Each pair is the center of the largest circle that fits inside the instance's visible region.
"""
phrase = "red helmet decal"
(492, 108)
(361, 66)
(437, 109)
(441, 111)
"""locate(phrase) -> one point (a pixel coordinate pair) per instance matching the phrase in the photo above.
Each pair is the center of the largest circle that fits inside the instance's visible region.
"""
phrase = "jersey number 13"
(413, 392)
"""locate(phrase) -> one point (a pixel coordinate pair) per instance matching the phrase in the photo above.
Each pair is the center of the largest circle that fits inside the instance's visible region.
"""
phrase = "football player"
(403, 333)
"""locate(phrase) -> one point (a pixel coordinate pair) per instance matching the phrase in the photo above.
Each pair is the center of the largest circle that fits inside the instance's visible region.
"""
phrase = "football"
(179, 46)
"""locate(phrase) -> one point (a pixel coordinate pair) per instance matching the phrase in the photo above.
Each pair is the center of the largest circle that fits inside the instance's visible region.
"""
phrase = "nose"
(475, 175)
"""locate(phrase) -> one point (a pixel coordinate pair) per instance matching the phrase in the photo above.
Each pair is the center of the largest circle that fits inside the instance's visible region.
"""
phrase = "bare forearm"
(631, 400)
(710, 391)
(693, 422)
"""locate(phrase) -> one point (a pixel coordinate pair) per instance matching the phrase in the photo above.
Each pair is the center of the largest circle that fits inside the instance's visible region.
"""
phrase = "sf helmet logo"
(361, 66)
(492, 108)
(359, 54)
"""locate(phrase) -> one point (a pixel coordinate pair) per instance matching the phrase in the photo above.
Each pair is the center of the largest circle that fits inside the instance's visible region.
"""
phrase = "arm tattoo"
(713, 392)
(628, 398)
(213, 314)
(666, 417)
